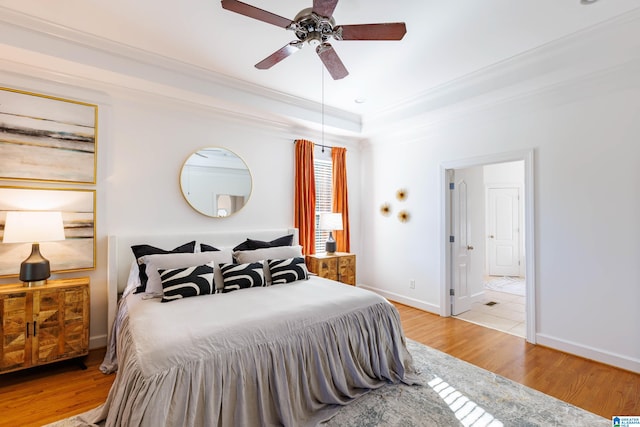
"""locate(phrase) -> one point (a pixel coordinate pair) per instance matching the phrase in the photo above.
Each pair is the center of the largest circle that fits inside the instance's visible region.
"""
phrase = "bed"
(291, 352)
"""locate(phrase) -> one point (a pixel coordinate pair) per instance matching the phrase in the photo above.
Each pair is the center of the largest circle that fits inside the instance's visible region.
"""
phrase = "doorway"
(488, 251)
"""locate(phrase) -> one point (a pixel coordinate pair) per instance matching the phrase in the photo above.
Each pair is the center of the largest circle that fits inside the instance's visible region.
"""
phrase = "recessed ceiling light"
(587, 1)
(359, 100)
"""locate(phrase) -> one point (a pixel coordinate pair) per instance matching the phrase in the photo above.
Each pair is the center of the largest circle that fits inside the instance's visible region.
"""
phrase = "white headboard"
(121, 256)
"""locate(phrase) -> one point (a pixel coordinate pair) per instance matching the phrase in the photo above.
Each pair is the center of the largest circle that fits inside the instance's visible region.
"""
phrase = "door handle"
(469, 247)
(491, 236)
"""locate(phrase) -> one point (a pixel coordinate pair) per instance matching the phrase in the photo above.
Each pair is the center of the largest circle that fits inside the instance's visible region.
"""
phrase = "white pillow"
(278, 252)
(179, 260)
(264, 254)
(133, 281)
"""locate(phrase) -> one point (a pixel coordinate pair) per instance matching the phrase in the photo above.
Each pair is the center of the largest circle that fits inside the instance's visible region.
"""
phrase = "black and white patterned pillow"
(186, 282)
(287, 270)
(242, 276)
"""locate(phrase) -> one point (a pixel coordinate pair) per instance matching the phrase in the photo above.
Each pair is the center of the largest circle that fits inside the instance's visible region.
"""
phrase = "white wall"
(585, 136)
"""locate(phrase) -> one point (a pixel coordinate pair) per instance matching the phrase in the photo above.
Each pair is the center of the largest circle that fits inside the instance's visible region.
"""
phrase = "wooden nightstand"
(340, 266)
(43, 324)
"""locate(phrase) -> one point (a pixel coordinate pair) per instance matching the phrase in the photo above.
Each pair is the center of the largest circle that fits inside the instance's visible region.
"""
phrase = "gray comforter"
(280, 355)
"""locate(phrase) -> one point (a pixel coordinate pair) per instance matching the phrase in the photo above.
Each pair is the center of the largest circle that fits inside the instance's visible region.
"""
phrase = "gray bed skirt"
(299, 378)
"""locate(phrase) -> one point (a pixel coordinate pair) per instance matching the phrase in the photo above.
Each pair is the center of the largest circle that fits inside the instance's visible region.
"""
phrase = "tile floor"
(508, 315)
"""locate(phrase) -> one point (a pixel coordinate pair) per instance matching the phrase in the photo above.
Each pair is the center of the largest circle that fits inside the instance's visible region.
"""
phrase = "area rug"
(510, 285)
(456, 393)
(453, 393)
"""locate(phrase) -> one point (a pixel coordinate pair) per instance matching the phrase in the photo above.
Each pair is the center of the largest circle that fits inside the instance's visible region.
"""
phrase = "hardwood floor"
(49, 393)
(598, 388)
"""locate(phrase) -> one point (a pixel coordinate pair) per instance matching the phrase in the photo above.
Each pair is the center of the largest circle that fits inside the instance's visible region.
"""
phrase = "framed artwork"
(76, 252)
(44, 138)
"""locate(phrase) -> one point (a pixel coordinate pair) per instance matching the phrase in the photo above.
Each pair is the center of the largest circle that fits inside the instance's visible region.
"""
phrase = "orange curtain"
(340, 197)
(305, 196)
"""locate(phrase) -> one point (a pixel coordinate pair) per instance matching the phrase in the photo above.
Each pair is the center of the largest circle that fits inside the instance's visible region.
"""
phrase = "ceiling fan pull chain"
(322, 84)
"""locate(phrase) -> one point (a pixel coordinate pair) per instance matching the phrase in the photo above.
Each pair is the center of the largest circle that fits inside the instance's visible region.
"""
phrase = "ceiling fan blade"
(324, 7)
(279, 55)
(386, 31)
(255, 13)
(332, 61)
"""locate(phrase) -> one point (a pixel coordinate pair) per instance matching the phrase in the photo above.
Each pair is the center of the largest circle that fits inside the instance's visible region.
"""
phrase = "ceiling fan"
(315, 25)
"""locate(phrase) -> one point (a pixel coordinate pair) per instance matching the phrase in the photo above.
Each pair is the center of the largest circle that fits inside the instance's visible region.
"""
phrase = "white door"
(467, 222)
(503, 231)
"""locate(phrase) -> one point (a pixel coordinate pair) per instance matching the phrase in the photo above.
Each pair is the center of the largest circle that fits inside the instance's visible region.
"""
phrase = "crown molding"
(421, 128)
(589, 51)
(42, 80)
(95, 58)
(608, 45)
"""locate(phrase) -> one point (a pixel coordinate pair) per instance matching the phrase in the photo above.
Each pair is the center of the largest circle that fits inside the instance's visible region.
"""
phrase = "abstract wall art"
(45, 138)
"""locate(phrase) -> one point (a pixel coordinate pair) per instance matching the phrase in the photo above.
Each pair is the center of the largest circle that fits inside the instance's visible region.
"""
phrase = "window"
(323, 170)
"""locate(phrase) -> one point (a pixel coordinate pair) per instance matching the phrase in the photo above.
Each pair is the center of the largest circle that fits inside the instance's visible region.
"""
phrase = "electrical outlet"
(412, 284)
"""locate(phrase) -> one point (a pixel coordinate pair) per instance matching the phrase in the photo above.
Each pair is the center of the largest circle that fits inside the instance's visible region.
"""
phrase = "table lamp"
(331, 222)
(33, 227)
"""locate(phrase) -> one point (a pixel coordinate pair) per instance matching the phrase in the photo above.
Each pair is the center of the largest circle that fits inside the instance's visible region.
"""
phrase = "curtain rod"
(320, 145)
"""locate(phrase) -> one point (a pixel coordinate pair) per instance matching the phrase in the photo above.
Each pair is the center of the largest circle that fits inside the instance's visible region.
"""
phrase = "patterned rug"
(454, 393)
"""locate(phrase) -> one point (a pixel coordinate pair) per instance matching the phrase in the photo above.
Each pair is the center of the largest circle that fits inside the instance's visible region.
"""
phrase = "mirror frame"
(184, 182)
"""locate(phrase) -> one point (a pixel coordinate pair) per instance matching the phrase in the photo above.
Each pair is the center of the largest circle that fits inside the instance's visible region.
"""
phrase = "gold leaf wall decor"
(385, 209)
(403, 216)
(401, 194)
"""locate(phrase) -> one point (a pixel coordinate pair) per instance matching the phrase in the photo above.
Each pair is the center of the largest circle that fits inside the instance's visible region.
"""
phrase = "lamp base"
(330, 246)
(34, 283)
(35, 270)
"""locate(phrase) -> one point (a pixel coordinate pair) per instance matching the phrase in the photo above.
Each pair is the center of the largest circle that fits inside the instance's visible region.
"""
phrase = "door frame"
(529, 229)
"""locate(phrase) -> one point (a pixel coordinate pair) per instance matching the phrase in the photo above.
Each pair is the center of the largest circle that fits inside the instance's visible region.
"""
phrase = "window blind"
(323, 170)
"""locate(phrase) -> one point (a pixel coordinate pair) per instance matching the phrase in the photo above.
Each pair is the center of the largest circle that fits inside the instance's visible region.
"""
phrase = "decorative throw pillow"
(244, 246)
(251, 244)
(186, 282)
(207, 248)
(142, 250)
(263, 254)
(287, 270)
(177, 260)
(281, 252)
(242, 276)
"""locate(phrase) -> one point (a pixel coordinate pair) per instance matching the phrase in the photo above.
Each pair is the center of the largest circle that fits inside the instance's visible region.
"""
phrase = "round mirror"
(215, 182)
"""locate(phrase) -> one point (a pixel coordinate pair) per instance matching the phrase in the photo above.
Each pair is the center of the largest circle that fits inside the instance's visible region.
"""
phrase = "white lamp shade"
(330, 221)
(33, 226)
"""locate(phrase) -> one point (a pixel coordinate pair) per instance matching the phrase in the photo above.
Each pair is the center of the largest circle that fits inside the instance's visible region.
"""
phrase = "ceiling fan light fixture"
(308, 26)
(316, 25)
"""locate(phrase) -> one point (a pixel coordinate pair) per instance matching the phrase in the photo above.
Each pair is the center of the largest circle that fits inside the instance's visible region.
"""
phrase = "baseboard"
(97, 341)
(606, 357)
(411, 302)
